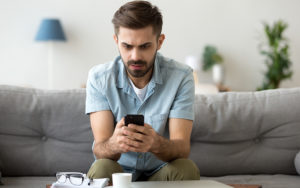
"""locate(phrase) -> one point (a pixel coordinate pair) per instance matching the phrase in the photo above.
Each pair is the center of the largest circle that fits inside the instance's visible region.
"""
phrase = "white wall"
(234, 26)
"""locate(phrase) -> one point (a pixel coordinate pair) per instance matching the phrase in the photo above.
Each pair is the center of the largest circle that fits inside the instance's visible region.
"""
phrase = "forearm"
(168, 150)
(105, 150)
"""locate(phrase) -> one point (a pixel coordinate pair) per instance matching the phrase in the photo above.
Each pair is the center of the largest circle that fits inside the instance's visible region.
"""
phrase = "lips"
(136, 66)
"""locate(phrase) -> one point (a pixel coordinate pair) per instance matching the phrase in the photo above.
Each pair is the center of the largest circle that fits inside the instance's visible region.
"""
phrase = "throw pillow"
(297, 163)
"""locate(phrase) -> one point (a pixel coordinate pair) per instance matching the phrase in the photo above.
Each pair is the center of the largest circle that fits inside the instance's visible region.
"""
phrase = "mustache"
(139, 62)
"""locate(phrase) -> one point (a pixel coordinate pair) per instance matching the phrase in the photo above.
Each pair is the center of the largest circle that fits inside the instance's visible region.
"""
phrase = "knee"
(187, 169)
(104, 168)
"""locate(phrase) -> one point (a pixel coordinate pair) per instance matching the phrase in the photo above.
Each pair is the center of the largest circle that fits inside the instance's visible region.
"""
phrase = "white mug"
(121, 180)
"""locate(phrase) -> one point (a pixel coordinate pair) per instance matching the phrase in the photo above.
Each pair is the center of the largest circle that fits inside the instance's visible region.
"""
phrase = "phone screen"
(134, 119)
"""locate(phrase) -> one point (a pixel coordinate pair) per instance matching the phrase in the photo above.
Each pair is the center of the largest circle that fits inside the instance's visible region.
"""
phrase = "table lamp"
(50, 30)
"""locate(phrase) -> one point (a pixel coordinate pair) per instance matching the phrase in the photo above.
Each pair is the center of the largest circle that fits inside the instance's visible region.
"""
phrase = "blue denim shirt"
(170, 94)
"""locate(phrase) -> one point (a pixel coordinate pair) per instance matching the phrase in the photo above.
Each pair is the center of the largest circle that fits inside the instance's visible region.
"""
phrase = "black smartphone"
(134, 119)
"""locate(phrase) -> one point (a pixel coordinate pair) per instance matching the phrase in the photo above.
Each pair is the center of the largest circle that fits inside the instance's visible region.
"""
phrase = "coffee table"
(186, 184)
(178, 184)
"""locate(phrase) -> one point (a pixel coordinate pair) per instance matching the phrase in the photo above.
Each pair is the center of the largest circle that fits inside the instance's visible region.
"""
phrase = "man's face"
(138, 49)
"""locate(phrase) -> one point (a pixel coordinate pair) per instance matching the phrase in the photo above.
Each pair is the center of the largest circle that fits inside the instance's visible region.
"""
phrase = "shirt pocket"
(159, 122)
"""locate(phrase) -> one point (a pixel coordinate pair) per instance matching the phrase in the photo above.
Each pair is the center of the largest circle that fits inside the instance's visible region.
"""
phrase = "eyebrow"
(144, 44)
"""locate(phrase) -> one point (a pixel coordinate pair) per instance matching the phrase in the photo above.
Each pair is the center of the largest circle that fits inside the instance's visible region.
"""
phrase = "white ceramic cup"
(121, 180)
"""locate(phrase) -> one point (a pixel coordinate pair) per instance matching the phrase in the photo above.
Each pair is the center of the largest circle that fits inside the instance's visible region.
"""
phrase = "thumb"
(121, 123)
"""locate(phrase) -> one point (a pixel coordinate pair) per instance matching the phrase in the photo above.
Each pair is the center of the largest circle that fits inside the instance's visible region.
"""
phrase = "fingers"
(136, 146)
(118, 137)
(127, 144)
(134, 138)
(133, 135)
(142, 129)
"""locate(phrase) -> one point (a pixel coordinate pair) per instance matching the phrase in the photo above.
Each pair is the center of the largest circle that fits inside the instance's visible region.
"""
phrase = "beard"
(139, 73)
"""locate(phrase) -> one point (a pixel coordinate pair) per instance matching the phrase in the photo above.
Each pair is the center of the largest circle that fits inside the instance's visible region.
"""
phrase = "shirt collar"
(122, 80)
(157, 76)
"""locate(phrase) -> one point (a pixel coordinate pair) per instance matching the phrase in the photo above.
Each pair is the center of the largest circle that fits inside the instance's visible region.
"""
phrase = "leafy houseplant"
(210, 57)
(212, 60)
(277, 56)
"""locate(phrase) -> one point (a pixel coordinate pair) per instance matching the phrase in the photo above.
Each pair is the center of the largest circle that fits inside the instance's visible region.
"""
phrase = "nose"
(135, 54)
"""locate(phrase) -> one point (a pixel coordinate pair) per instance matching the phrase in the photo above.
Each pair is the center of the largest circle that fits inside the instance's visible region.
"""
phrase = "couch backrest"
(247, 132)
(43, 132)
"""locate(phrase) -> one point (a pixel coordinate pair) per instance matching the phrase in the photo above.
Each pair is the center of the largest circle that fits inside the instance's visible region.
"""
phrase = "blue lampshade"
(50, 29)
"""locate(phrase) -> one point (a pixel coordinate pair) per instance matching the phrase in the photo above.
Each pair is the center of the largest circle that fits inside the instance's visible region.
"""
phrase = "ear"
(116, 38)
(160, 41)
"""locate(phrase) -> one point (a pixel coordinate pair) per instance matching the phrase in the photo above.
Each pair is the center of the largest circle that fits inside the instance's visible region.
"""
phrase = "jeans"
(179, 169)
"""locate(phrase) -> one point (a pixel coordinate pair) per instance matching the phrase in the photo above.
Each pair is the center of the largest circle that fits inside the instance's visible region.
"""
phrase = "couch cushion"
(246, 132)
(43, 132)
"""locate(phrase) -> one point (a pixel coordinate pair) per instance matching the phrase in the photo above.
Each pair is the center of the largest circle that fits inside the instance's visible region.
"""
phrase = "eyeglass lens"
(75, 179)
(62, 178)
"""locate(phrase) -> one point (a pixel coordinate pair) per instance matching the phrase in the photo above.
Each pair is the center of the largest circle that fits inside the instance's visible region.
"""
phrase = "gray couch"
(246, 137)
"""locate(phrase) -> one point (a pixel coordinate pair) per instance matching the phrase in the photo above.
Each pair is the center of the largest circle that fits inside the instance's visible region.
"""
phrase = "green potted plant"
(211, 59)
(277, 59)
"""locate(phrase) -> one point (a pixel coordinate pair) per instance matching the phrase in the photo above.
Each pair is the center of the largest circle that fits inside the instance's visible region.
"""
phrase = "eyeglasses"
(75, 178)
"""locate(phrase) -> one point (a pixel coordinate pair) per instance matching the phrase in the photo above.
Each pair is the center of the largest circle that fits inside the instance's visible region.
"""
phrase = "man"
(141, 81)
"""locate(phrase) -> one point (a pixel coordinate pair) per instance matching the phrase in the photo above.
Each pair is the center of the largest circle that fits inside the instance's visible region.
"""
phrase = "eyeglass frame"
(68, 175)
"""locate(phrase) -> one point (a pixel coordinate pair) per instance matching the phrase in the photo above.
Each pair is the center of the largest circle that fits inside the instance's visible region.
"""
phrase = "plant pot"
(218, 74)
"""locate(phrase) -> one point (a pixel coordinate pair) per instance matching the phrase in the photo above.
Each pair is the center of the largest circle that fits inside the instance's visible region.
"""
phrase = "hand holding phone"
(137, 119)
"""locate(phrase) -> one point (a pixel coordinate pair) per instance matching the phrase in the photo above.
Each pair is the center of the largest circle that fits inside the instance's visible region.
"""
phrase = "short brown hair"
(137, 15)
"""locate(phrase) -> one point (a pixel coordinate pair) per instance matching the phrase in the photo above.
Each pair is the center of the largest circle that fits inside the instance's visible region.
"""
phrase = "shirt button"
(140, 156)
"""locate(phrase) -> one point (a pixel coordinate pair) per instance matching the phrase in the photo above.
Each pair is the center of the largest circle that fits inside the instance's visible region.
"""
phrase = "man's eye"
(127, 46)
(144, 46)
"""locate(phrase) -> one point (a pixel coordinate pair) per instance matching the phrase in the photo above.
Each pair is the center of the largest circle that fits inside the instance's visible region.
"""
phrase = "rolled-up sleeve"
(95, 98)
(183, 105)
